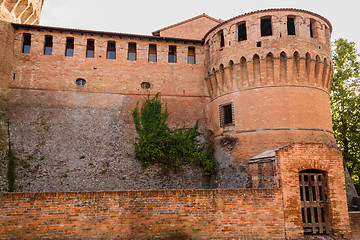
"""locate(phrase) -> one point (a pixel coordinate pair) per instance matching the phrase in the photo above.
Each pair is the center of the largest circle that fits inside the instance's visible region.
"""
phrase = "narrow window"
(48, 45)
(312, 25)
(266, 28)
(69, 50)
(191, 55)
(222, 39)
(226, 114)
(132, 51)
(152, 53)
(291, 26)
(172, 54)
(26, 43)
(242, 36)
(111, 50)
(90, 48)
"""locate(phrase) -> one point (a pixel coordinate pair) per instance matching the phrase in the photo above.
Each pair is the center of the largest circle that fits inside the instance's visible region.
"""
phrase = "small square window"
(226, 115)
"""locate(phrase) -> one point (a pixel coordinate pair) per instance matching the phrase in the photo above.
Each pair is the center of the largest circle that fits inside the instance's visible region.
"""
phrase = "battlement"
(267, 48)
(269, 75)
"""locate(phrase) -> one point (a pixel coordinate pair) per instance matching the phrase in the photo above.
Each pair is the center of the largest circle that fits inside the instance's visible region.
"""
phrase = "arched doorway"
(314, 204)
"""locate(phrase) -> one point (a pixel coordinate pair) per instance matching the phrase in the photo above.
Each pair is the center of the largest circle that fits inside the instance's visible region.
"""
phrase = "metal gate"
(313, 193)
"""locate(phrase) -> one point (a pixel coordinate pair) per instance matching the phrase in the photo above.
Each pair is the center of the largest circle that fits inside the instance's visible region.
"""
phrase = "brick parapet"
(197, 214)
(108, 75)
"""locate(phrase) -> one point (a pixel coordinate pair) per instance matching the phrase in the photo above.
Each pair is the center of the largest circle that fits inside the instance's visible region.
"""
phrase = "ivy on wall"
(157, 143)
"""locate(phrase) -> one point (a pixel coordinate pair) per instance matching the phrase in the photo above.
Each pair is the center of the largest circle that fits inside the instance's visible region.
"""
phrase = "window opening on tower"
(291, 26)
(266, 28)
(242, 35)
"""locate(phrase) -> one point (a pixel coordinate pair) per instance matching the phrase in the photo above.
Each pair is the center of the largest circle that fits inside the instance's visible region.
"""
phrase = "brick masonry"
(6, 66)
(171, 214)
(75, 138)
(355, 224)
(299, 157)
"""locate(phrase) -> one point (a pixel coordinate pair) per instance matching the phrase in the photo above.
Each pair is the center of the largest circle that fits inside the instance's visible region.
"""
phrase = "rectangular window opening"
(152, 53)
(132, 51)
(69, 50)
(312, 23)
(90, 48)
(291, 26)
(111, 50)
(266, 28)
(191, 55)
(226, 115)
(26, 43)
(172, 54)
(48, 45)
(222, 39)
(242, 35)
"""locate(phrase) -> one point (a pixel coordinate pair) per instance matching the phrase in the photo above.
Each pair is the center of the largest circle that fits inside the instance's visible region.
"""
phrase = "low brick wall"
(355, 224)
(178, 214)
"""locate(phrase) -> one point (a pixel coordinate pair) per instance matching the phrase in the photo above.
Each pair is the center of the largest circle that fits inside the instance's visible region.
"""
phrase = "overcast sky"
(145, 16)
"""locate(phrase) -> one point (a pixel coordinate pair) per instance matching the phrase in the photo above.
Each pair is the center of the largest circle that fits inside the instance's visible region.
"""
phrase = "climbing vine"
(157, 143)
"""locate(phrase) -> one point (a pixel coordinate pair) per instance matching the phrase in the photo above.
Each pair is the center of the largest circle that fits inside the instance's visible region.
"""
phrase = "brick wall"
(298, 157)
(177, 214)
(6, 65)
(194, 28)
(80, 138)
(355, 224)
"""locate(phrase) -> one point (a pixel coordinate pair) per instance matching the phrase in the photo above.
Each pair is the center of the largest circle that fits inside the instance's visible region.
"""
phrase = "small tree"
(345, 104)
(157, 143)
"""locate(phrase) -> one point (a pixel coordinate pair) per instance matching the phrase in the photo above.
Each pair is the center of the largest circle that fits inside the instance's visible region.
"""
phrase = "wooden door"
(314, 207)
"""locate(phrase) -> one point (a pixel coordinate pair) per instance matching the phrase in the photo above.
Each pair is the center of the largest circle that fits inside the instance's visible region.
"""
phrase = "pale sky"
(146, 16)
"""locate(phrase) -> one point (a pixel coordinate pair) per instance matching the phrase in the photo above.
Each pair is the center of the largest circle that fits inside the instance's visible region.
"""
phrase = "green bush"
(157, 143)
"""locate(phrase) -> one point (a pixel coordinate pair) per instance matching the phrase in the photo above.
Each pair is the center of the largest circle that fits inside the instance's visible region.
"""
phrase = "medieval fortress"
(258, 83)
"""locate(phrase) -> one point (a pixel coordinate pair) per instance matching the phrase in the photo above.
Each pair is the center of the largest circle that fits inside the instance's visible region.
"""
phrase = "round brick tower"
(269, 74)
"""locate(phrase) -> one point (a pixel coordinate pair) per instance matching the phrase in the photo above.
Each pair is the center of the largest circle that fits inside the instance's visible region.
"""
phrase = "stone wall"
(172, 214)
(6, 67)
